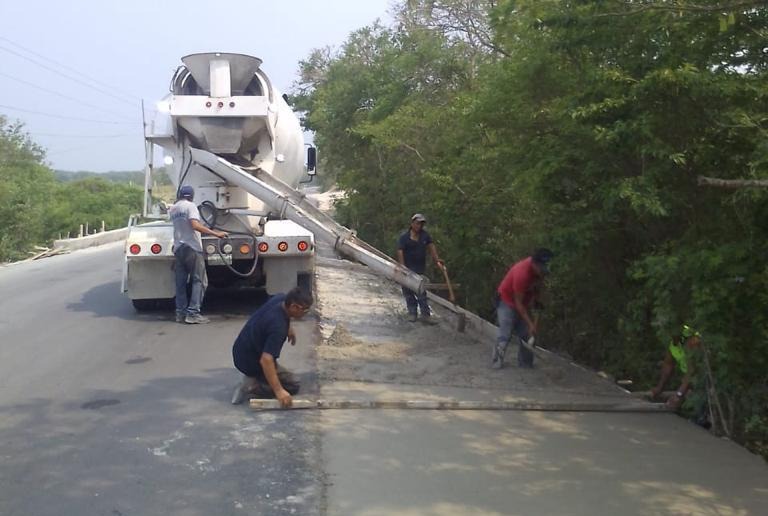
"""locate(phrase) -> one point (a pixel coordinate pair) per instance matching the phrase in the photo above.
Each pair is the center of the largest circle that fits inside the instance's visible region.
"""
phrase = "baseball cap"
(418, 217)
(187, 192)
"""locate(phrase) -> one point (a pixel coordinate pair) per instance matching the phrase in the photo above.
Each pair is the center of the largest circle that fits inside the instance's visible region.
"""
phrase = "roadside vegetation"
(600, 129)
(36, 207)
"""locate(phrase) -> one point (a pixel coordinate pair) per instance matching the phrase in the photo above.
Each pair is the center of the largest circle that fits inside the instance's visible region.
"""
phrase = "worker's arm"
(685, 384)
(667, 366)
(197, 226)
(523, 311)
(692, 344)
(269, 367)
(433, 252)
(400, 257)
(291, 336)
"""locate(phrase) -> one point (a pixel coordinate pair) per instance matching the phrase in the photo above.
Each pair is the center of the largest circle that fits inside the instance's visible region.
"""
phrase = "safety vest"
(677, 349)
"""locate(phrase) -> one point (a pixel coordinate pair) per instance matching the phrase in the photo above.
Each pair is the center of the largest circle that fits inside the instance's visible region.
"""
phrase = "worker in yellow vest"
(678, 356)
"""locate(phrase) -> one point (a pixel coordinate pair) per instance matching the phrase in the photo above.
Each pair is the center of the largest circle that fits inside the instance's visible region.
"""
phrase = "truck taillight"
(282, 247)
(263, 247)
(220, 104)
(208, 104)
(135, 249)
(231, 104)
(303, 246)
(245, 249)
(156, 248)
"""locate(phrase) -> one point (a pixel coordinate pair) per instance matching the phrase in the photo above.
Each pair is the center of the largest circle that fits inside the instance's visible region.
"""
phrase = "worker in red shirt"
(518, 292)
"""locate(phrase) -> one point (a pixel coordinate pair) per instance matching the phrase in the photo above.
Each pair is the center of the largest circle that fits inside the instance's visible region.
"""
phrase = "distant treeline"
(118, 176)
(38, 205)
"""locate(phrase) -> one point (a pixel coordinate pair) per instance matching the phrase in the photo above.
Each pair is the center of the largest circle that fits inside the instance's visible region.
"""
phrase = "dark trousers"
(258, 386)
(414, 300)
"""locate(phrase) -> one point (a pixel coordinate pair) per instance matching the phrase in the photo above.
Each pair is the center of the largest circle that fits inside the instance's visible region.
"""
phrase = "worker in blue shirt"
(258, 346)
(412, 249)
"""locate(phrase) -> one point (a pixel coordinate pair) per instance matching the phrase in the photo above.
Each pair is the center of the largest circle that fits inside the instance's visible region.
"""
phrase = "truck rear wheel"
(304, 282)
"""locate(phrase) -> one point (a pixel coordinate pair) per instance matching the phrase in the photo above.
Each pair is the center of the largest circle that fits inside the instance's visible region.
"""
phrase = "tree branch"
(680, 7)
(732, 183)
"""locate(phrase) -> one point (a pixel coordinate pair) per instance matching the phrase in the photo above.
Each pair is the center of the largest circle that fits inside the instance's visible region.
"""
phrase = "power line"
(70, 135)
(62, 116)
(38, 63)
(64, 96)
(126, 95)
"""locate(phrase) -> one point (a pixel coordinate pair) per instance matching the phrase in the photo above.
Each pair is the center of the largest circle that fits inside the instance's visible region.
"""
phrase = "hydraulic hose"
(214, 211)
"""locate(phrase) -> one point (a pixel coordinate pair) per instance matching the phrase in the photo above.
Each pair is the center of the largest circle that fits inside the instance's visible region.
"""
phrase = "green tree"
(582, 126)
(35, 208)
(25, 188)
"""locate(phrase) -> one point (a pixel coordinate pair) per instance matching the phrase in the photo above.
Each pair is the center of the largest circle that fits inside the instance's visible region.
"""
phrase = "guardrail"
(96, 239)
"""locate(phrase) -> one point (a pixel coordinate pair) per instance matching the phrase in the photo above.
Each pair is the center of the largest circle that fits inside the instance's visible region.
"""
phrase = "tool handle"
(451, 296)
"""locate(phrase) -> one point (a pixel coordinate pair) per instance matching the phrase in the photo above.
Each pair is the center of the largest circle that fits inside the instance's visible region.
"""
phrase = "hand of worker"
(291, 337)
(674, 402)
(221, 234)
(440, 263)
(532, 329)
(284, 398)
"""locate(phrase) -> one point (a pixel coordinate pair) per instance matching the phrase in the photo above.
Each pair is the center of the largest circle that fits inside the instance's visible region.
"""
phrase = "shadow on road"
(106, 300)
(170, 446)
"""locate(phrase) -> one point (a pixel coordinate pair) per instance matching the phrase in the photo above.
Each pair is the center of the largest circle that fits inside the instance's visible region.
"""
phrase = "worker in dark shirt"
(412, 249)
(259, 344)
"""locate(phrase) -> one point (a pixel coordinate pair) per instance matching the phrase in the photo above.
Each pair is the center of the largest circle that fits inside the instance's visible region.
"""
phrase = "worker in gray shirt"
(188, 250)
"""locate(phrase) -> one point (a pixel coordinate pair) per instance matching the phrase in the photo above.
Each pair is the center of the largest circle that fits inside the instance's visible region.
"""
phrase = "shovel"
(462, 317)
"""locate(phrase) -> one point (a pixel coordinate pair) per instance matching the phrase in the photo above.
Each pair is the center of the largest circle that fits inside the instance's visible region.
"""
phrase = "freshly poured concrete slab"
(431, 463)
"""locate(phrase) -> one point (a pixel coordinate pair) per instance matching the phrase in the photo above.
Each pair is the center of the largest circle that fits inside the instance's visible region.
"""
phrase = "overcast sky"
(132, 47)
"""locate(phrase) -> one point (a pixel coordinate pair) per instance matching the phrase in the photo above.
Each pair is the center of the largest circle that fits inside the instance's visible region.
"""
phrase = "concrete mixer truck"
(227, 132)
(226, 105)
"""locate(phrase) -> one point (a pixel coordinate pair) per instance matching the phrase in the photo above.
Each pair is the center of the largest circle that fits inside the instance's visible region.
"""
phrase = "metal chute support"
(293, 205)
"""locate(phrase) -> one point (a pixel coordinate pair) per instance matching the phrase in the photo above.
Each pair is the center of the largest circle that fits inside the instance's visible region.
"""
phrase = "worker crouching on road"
(412, 248)
(189, 267)
(258, 347)
(518, 292)
(679, 356)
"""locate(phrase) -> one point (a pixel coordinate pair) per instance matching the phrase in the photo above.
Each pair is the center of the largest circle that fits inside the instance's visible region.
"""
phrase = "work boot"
(196, 319)
(412, 317)
(238, 396)
(180, 316)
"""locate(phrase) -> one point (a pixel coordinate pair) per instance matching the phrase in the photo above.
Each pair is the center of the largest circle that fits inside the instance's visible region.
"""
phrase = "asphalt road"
(107, 412)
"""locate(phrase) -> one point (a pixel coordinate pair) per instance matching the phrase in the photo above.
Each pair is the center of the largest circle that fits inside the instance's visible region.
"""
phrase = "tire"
(304, 282)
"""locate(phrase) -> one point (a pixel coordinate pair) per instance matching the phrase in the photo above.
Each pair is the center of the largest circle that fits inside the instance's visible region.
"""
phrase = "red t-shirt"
(520, 279)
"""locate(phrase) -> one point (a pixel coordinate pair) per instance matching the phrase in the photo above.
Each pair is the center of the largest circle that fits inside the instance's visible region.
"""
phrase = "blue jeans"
(189, 268)
(511, 324)
(413, 300)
